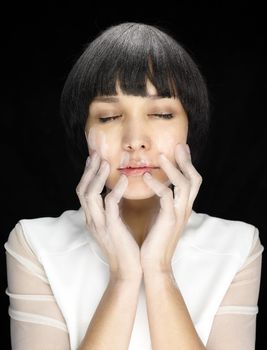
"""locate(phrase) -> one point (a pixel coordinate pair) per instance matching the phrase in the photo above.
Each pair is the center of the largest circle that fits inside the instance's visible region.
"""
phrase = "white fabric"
(216, 265)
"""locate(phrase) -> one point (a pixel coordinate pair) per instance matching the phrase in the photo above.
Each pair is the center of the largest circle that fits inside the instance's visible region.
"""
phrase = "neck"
(138, 215)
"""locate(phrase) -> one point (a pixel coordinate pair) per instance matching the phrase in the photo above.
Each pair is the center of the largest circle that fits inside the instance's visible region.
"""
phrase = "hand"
(160, 243)
(120, 247)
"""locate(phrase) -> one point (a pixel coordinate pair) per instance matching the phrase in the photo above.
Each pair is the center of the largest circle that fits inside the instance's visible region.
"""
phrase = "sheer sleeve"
(234, 326)
(36, 322)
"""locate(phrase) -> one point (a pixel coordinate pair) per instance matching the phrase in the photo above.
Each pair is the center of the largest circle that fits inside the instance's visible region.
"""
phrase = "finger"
(93, 195)
(175, 175)
(94, 204)
(181, 185)
(164, 192)
(89, 173)
(97, 183)
(183, 158)
(166, 213)
(171, 171)
(181, 195)
(113, 198)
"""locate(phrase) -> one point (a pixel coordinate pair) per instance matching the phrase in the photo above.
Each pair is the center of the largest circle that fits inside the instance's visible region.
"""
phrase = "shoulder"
(55, 235)
(16, 241)
(220, 236)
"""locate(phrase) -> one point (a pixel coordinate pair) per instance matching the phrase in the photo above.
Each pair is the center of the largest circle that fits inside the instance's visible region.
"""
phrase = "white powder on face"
(91, 138)
(142, 161)
(124, 160)
(104, 148)
(96, 140)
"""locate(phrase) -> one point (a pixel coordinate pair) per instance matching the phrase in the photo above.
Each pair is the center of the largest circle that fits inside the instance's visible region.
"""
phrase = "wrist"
(158, 274)
(134, 278)
(157, 270)
(159, 278)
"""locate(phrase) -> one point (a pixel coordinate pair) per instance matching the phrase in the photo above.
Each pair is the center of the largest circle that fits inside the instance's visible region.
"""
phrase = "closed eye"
(104, 120)
(161, 115)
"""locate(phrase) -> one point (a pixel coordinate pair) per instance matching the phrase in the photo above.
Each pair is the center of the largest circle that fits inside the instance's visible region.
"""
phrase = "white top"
(57, 275)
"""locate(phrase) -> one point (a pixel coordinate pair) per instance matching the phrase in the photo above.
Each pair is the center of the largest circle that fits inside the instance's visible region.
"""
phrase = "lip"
(137, 171)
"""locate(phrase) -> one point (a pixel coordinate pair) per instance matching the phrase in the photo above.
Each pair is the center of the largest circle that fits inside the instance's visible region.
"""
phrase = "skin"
(141, 199)
(135, 135)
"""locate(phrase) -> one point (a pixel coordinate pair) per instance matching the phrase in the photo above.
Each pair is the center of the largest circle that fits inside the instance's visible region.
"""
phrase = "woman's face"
(137, 135)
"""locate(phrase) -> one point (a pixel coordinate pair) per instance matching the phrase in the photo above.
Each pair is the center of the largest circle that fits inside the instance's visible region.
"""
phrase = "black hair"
(130, 53)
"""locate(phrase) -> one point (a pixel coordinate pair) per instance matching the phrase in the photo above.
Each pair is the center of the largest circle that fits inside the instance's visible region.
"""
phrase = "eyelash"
(164, 116)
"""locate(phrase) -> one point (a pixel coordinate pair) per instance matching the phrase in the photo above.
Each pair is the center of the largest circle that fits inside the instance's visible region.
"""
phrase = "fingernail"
(104, 164)
(147, 176)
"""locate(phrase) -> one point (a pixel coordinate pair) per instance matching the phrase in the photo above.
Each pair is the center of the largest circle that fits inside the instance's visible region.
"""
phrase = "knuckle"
(78, 190)
(87, 196)
(199, 179)
(99, 227)
(187, 181)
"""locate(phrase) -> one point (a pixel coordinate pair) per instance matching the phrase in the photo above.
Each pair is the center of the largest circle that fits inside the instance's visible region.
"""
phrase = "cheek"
(97, 140)
(167, 141)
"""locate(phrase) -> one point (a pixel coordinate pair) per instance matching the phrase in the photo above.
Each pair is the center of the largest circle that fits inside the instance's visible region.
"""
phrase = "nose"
(136, 139)
(135, 146)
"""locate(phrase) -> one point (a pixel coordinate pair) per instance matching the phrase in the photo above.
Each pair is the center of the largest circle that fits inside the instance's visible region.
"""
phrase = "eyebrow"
(114, 99)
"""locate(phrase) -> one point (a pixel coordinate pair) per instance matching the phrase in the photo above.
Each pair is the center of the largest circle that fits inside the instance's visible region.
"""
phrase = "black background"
(39, 47)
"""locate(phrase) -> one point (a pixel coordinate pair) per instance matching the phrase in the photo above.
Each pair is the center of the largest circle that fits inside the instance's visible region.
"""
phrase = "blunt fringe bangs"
(131, 53)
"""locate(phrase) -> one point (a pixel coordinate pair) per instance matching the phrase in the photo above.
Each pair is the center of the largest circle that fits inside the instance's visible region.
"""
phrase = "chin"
(136, 195)
(136, 190)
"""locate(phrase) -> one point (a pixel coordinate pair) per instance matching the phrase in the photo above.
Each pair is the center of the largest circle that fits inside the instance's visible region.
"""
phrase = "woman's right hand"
(106, 225)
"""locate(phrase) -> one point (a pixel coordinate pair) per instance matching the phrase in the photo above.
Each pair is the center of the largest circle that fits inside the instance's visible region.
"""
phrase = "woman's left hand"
(158, 248)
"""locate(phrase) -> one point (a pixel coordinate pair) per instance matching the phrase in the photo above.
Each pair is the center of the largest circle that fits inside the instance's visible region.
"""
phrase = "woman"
(134, 267)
